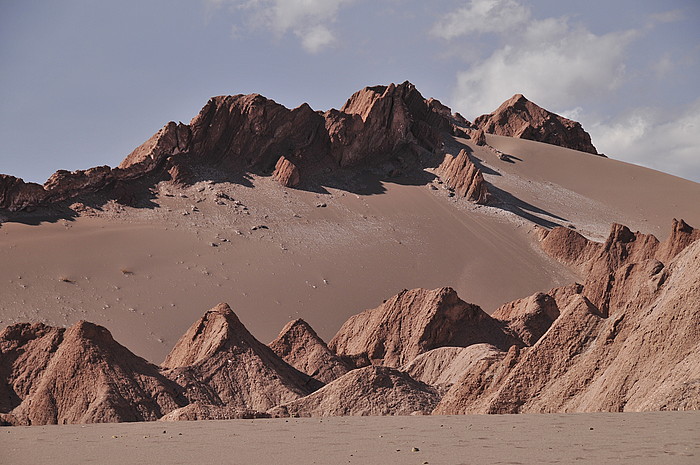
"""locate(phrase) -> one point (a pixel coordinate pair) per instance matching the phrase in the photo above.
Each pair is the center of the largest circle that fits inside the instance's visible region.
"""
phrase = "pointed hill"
(299, 345)
(219, 362)
(79, 375)
(518, 117)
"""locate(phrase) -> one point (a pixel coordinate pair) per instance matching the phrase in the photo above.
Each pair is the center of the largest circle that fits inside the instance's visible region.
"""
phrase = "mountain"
(302, 219)
(519, 117)
(299, 345)
(250, 133)
(220, 363)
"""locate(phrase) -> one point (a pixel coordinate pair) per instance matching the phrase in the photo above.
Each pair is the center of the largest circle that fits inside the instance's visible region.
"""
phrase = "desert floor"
(621, 438)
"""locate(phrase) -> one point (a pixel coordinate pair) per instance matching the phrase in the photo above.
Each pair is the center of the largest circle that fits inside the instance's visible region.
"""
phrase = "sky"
(85, 82)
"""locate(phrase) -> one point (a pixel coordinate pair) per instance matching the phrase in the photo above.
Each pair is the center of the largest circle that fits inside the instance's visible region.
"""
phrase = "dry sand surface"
(632, 438)
(148, 274)
(556, 185)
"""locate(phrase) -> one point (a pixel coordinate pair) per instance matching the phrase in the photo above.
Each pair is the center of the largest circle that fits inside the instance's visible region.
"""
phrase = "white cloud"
(316, 38)
(670, 16)
(551, 62)
(309, 20)
(645, 137)
(481, 16)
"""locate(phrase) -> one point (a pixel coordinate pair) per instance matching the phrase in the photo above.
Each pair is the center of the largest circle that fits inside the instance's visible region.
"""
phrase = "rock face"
(381, 120)
(170, 140)
(413, 322)
(220, 363)
(627, 342)
(460, 173)
(371, 390)
(299, 345)
(78, 375)
(519, 117)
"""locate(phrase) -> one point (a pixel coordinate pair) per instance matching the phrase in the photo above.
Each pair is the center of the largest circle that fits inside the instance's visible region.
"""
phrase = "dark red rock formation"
(170, 140)
(242, 133)
(78, 375)
(643, 354)
(219, 363)
(518, 117)
(15, 194)
(460, 173)
(371, 390)
(286, 173)
(413, 322)
(299, 345)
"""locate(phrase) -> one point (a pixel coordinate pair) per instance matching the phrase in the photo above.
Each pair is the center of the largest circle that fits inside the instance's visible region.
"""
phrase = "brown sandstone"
(299, 345)
(627, 342)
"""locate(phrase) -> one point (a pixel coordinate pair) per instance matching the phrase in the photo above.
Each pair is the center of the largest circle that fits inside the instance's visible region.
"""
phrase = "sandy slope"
(148, 274)
(631, 438)
(563, 186)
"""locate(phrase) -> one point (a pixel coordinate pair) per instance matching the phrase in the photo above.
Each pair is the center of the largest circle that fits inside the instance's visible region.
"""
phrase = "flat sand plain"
(654, 438)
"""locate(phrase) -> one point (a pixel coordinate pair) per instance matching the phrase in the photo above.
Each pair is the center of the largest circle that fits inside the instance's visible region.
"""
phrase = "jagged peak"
(522, 118)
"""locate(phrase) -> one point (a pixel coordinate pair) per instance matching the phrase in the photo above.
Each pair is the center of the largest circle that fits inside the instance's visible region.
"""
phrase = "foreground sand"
(634, 438)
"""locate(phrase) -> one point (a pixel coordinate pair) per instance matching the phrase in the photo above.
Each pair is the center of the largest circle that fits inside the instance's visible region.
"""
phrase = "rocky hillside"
(391, 129)
(625, 340)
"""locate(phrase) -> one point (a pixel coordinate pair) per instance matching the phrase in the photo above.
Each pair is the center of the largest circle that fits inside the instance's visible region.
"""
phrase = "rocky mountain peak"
(521, 118)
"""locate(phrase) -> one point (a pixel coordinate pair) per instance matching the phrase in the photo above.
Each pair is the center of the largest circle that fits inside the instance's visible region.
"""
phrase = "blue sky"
(85, 82)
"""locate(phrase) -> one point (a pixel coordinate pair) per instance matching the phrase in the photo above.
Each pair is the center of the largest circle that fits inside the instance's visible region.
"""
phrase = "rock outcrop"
(460, 173)
(235, 134)
(366, 391)
(299, 345)
(519, 117)
(197, 411)
(286, 173)
(413, 322)
(219, 363)
(15, 194)
(628, 341)
(78, 375)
